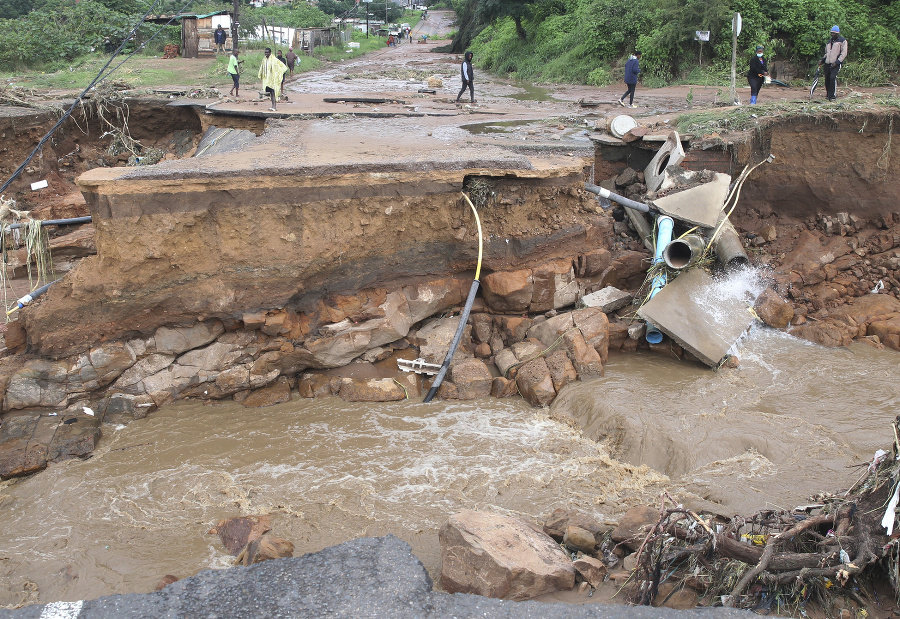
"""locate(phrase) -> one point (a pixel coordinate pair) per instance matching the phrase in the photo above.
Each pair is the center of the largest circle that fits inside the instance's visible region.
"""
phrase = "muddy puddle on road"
(531, 92)
(787, 423)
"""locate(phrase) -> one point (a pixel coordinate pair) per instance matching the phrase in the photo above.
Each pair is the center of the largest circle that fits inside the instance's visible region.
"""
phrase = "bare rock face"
(550, 330)
(482, 327)
(562, 372)
(236, 533)
(28, 442)
(535, 383)
(773, 310)
(879, 314)
(634, 524)
(370, 390)
(509, 291)
(428, 298)
(513, 329)
(435, 336)
(276, 393)
(888, 331)
(177, 340)
(594, 326)
(626, 271)
(826, 333)
(586, 360)
(500, 557)
(553, 286)
(311, 385)
(472, 379)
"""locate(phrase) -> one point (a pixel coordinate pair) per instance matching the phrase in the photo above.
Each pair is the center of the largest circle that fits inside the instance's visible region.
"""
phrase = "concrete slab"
(702, 316)
(700, 205)
(219, 140)
(662, 137)
(608, 299)
(606, 139)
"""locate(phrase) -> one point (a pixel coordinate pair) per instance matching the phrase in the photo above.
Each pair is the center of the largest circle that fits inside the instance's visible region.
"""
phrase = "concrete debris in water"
(694, 312)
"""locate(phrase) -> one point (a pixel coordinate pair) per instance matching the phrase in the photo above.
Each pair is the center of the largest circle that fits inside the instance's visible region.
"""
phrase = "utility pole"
(367, 3)
(735, 31)
(234, 26)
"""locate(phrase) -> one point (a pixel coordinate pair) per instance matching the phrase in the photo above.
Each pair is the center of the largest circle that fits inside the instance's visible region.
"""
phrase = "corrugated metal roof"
(222, 12)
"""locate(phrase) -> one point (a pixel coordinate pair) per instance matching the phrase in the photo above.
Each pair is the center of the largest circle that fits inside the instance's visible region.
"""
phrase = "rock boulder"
(500, 557)
(472, 379)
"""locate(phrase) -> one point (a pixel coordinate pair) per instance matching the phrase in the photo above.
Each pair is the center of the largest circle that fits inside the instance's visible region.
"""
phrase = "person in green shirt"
(234, 70)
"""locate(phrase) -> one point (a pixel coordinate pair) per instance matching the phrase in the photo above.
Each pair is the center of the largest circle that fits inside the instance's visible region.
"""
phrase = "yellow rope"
(402, 387)
(478, 222)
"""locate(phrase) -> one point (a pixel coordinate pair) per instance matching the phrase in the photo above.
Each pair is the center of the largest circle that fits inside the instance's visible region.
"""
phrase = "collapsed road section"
(245, 272)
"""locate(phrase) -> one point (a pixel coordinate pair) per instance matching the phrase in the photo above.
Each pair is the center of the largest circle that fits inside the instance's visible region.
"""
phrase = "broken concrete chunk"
(609, 299)
(681, 310)
(699, 205)
(670, 153)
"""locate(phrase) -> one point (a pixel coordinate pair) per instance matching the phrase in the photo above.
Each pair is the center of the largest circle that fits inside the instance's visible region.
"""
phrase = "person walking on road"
(291, 58)
(757, 73)
(234, 66)
(835, 54)
(468, 77)
(219, 38)
(271, 72)
(632, 69)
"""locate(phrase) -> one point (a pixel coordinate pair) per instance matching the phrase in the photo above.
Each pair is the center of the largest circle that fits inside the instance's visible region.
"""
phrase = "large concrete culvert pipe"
(728, 247)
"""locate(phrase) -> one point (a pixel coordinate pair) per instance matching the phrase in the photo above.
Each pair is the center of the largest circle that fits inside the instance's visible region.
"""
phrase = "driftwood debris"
(827, 555)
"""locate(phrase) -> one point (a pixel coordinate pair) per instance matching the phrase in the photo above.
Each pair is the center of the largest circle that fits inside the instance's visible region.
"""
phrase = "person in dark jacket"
(632, 69)
(219, 37)
(468, 77)
(757, 73)
(835, 54)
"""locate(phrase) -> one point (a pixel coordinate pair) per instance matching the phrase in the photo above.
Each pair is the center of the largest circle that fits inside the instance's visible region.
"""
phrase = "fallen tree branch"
(769, 551)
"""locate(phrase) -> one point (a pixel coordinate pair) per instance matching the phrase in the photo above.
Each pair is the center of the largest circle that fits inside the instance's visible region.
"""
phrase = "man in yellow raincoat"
(271, 72)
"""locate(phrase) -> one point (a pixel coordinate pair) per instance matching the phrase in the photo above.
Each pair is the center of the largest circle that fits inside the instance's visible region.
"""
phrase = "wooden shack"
(197, 33)
(307, 39)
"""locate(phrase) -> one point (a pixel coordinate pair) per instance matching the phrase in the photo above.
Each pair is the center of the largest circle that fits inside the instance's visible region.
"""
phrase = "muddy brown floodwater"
(787, 423)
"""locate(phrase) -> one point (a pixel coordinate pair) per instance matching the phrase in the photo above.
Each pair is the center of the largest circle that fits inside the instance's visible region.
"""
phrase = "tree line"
(49, 34)
(587, 41)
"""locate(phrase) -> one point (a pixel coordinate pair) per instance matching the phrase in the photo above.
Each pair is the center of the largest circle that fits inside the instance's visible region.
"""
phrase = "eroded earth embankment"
(233, 274)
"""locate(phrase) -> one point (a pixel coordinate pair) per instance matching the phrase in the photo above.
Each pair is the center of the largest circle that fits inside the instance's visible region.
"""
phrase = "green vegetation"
(148, 71)
(83, 70)
(744, 118)
(588, 41)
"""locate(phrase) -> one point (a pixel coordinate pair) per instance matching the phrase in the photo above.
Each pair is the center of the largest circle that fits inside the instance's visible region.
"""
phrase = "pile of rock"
(505, 557)
(842, 281)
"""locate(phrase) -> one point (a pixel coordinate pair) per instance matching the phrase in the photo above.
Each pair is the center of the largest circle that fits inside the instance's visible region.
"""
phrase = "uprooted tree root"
(827, 555)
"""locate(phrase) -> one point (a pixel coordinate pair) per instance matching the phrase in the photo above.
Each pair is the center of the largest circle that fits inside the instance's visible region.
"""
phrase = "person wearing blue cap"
(835, 54)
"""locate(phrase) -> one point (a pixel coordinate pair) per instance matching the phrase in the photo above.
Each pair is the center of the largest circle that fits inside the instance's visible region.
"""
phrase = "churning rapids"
(787, 423)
